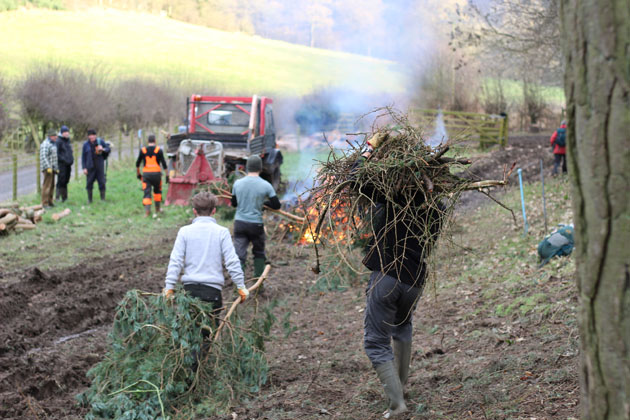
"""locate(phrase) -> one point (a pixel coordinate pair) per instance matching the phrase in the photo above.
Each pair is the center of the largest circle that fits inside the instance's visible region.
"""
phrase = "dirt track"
(55, 325)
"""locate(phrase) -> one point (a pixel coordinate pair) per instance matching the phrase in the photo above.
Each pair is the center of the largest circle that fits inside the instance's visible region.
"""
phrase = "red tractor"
(223, 131)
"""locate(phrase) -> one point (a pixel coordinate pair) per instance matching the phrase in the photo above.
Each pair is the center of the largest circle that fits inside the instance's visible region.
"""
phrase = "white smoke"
(440, 135)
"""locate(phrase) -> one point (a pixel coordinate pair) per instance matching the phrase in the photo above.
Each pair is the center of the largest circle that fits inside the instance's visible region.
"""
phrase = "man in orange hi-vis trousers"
(151, 157)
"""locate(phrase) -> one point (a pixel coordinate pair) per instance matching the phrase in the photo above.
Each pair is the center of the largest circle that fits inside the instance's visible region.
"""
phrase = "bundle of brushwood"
(16, 218)
(169, 360)
(403, 177)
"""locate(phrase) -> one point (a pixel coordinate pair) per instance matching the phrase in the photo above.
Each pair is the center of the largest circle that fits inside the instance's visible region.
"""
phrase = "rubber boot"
(402, 357)
(157, 207)
(147, 211)
(259, 266)
(57, 193)
(102, 195)
(64, 194)
(393, 389)
(89, 196)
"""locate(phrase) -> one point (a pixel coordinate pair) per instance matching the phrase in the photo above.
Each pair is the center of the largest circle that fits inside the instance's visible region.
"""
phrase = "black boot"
(102, 195)
(64, 194)
(89, 196)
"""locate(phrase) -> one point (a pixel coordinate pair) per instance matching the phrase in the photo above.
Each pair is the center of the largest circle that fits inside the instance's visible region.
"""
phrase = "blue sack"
(559, 243)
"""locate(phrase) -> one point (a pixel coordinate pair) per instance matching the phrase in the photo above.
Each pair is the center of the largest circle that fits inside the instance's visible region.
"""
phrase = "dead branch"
(237, 302)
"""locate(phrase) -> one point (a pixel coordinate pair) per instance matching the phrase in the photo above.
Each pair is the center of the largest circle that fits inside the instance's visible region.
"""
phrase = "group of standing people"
(56, 160)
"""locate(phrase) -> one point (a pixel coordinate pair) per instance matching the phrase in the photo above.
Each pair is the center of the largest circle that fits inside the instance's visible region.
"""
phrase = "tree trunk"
(596, 36)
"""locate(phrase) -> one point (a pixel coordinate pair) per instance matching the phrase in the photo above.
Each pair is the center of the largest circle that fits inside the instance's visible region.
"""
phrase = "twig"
(487, 194)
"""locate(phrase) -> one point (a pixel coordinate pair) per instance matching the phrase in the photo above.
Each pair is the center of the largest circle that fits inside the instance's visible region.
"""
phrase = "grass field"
(513, 91)
(131, 44)
(115, 226)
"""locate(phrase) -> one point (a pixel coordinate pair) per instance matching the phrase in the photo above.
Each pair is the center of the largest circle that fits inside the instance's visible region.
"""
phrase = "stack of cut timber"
(16, 218)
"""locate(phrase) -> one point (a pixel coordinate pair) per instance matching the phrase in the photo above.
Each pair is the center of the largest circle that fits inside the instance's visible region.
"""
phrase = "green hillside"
(131, 44)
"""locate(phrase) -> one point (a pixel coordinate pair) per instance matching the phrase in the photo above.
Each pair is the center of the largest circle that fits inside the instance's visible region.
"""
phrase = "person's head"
(52, 135)
(92, 135)
(204, 203)
(254, 164)
(563, 123)
(151, 139)
(65, 132)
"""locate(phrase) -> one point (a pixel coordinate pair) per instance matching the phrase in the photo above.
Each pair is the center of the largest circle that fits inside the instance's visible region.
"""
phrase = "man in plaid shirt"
(49, 166)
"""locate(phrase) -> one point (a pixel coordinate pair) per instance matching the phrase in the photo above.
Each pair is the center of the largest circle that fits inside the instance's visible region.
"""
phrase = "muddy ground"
(55, 325)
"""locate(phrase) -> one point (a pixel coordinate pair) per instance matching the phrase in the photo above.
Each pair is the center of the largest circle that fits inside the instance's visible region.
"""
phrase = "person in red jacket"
(559, 142)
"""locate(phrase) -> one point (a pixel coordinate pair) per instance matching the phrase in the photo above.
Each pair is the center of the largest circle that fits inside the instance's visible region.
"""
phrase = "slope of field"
(130, 44)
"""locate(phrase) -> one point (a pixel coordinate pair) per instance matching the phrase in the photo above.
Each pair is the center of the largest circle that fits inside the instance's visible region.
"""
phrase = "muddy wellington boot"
(147, 211)
(89, 196)
(402, 357)
(102, 195)
(157, 207)
(388, 376)
(259, 266)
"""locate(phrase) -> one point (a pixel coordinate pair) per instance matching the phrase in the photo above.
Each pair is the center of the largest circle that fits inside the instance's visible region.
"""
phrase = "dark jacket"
(400, 247)
(64, 151)
(89, 159)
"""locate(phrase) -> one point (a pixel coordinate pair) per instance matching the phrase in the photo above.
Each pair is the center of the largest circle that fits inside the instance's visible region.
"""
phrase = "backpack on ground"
(559, 243)
(561, 137)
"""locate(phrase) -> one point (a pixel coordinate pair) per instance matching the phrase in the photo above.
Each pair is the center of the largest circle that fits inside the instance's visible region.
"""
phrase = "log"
(23, 221)
(9, 205)
(37, 215)
(256, 285)
(9, 219)
(34, 207)
(4, 212)
(25, 226)
(57, 216)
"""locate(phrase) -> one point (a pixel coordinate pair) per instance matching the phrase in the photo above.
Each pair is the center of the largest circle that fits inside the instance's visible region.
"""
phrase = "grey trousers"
(388, 313)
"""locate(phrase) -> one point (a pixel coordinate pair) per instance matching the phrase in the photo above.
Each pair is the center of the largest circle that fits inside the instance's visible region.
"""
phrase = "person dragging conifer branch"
(396, 255)
(200, 251)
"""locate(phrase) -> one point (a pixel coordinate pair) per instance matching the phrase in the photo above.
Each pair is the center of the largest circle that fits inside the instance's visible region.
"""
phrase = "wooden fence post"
(77, 159)
(15, 175)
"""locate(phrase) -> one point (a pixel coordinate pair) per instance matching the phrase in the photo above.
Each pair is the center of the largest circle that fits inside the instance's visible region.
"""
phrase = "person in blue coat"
(95, 151)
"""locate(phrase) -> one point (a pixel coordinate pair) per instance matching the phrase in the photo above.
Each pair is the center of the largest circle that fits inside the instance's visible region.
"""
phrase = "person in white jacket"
(199, 253)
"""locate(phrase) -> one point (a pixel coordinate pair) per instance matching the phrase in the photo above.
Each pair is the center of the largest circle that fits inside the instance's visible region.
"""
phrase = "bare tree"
(4, 111)
(596, 36)
(53, 95)
(517, 35)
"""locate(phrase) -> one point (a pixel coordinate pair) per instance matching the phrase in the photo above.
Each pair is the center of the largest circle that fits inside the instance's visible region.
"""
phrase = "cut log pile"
(13, 217)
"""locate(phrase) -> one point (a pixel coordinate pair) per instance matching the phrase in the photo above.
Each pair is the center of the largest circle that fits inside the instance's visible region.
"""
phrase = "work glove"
(57, 171)
(168, 179)
(49, 170)
(377, 139)
(168, 293)
(139, 177)
(243, 292)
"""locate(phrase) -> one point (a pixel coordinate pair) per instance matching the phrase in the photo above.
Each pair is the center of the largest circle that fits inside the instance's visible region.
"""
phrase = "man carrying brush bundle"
(404, 228)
